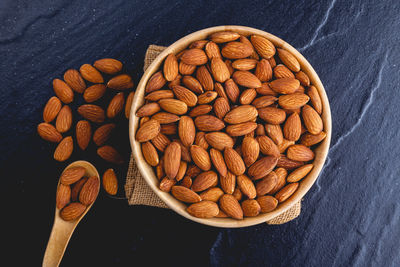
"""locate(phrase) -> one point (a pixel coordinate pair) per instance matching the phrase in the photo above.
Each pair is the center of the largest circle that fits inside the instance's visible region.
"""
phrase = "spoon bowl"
(62, 230)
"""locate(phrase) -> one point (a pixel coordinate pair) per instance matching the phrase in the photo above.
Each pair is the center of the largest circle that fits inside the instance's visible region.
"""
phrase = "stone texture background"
(349, 218)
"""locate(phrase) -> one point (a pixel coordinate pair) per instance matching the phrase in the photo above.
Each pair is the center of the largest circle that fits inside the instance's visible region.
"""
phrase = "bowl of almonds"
(230, 126)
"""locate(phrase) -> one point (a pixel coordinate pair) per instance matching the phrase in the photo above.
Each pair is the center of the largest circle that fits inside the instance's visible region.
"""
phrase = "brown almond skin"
(219, 140)
(186, 130)
(116, 105)
(212, 50)
(285, 85)
(240, 114)
(237, 194)
(281, 71)
(303, 78)
(64, 149)
(204, 181)
(204, 77)
(186, 182)
(193, 84)
(241, 128)
(251, 208)
(185, 95)
(200, 140)
(103, 133)
(281, 174)
(48, 132)
(63, 91)
(218, 161)
(89, 73)
(231, 206)
(110, 154)
(228, 183)
(288, 164)
(50, 111)
(300, 153)
(246, 79)
(92, 113)
(148, 131)
(194, 56)
(265, 89)
(156, 82)
(74, 79)
(212, 194)
(315, 99)
(263, 70)
(263, 46)
(173, 106)
(244, 64)
(247, 96)
(72, 211)
(159, 94)
(292, 127)
(185, 194)
(165, 117)
(200, 110)
(286, 192)
(250, 150)
(166, 184)
(207, 97)
(76, 189)
(219, 70)
(63, 196)
(89, 191)
(83, 133)
(234, 162)
(161, 141)
(272, 115)
(120, 82)
(266, 184)
(148, 109)
(181, 171)
(267, 203)
(72, 175)
(221, 107)
(110, 182)
(246, 186)
(108, 65)
(170, 67)
(232, 90)
(150, 154)
(94, 92)
(267, 146)
(289, 60)
(262, 167)
(208, 123)
(200, 157)
(64, 119)
(172, 159)
(264, 101)
(299, 173)
(236, 50)
(186, 69)
(274, 132)
(203, 209)
(308, 139)
(293, 101)
(128, 104)
(312, 120)
(224, 37)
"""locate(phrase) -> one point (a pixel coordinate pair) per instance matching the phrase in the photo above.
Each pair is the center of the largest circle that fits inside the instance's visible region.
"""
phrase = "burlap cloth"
(139, 193)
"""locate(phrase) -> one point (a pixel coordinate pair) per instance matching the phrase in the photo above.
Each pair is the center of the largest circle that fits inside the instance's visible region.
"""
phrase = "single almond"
(116, 105)
(289, 60)
(265, 89)
(241, 114)
(186, 69)
(236, 50)
(89, 73)
(246, 79)
(231, 206)
(64, 149)
(159, 94)
(169, 129)
(299, 173)
(203, 209)
(150, 154)
(250, 150)
(148, 109)
(110, 182)
(200, 110)
(76, 189)
(251, 208)
(120, 82)
(281, 71)
(224, 37)
(64, 119)
(281, 174)
(200, 140)
(274, 131)
(244, 64)
(219, 140)
(264, 101)
(286, 192)
(186, 182)
(204, 77)
(218, 161)
(208, 123)
(185, 95)
(161, 141)
(221, 107)
(260, 130)
(92, 113)
(272, 115)
(72, 211)
(247, 96)
(267, 203)
(170, 67)
(128, 104)
(173, 106)
(103, 133)
(172, 159)
(284, 145)
(308, 139)
(246, 186)
(63, 196)
(194, 56)
(212, 194)
(228, 183)
(241, 128)
(303, 78)
(234, 161)
(262, 167)
(89, 191)
(110, 154)
(300, 153)
(53, 106)
(237, 194)
(204, 181)
(186, 130)
(48, 132)
(74, 79)
(219, 70)
(272, 62)
(288, 164)
(166, 184)
(94, 92)
(72, 175)
(293, 101)
(263, 70)
(108, 65)
(181, 171)
(292, 127)
(165, 117)
(315, 99)
(285, 85)
(312, 120)
(267, 146)
(263, 46)
(156, 82)
(232, 90)
(229, 65)
(198, 44)
(63, 91)
(200, 157)
(193, 84)
(266, 184)
(83, 133)
(185, 194)
(212, 50)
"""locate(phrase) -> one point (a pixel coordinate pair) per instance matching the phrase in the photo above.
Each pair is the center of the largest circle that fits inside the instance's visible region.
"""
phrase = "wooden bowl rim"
(306, 183)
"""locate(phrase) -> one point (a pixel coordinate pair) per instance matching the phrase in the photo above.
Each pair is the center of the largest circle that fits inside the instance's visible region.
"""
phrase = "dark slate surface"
(349, 218)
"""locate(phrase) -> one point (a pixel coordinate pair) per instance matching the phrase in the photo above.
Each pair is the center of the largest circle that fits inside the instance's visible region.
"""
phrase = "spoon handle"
(58, 241)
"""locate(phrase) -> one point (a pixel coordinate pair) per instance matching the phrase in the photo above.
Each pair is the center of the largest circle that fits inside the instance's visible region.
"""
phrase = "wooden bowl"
(147, 172)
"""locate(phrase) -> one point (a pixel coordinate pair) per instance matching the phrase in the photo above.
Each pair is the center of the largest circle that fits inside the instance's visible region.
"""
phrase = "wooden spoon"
(62, 230)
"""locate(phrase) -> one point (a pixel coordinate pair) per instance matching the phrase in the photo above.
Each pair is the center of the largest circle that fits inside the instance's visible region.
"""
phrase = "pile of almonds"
(229, 125)
(75, 193)
(91, 83)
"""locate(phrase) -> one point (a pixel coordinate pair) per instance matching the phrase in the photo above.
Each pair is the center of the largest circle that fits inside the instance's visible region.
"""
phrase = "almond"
(186, 130)
(156, 82)
(116, 105)
(263, 46)
(72, 175)
(186, 69)
(232, 90)
(186, 182)
(203, 209)
(128, 104)
(274, 132)
(219, 70)
(64, 149)
(148, 109)
(76, 189)
(110, 182)
(241, 128)
(172, 159)
(169, 129)
(312, 120)
(260, 130)
(266, 184)
(250, 208)
(285, 85)
(284, 145)
(83, 132)
(272, 62)
(161, 142)
(244, 64)
(267, 203)
(224, 37)
(246, 79)
(185, 194)
(170, 67)
(286, 192)
(208, 123)
(228, 183)
(193, 84)
(281, 71)
(173, 106)
(74, 79)
(103, 133)
(308, 139)
(185, 153)
(48, 132)
(193, 170)
(292, 127)
(300, 153)
(247, 96)
(246, 186)
(221, 107)
(267, 146)
(92, 113)
(165, 117)
(181, 171)
(218, 161)
(266, 90)
(198, 44)
(289, 60)
(299, 173)
(212, 50)
(200, 110)
(89, 73)
(293, 101)
(53, 106)
(212, 194)
(264, 101)
(272, 115)
(120, 82)
(108, 153)
(94, 92)
(205, 79)
(200, 157)
(72, 211)
(89, 191)
(63, 91)
(233, 161)
(315, 99)
(241, 114)
(64, 119)
(204, 181)
(166, 184)
(263, 70)
(159, 94)
(108, 65)
(194, 56)
(219, 140)
(303, 78)
(237, 194)
(150, 154)
(200, 140)
(236, 50)
(250, 150)
(63, 196)
(288, 164)
(229, 65)
(148, 131)
(185, 95)
(281, 174)
(262, 167)
(231, 206)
